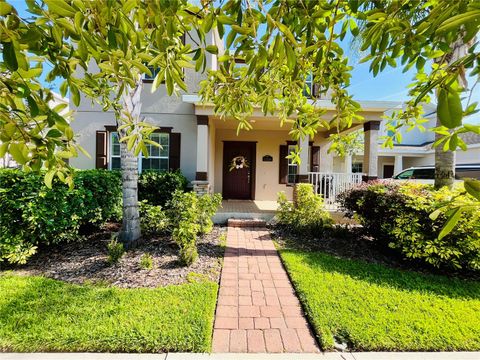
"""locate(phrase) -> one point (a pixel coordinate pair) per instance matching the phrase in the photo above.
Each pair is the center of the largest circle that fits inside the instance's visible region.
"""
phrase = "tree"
(281, 42)
(112, 43)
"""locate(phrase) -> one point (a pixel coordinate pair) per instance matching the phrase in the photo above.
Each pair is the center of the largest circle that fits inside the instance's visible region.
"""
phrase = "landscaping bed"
(373, 307)
(86, 261)
(38, 314)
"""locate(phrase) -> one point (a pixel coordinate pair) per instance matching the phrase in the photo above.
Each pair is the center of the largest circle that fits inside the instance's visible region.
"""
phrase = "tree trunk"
(445, 160)
(444, 164)
(131, 231)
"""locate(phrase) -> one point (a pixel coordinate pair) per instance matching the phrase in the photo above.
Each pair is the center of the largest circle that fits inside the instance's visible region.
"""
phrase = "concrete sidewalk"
(230, 356)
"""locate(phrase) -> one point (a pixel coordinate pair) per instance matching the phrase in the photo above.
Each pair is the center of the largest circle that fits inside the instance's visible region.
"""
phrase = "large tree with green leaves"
(281, 42)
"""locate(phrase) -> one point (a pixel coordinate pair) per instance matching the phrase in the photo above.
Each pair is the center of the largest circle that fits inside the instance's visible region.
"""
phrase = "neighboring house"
(7, 161)
(210, 154)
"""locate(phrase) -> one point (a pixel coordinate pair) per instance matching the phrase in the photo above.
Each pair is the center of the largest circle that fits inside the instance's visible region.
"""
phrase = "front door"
(238, 170)
(388, 171)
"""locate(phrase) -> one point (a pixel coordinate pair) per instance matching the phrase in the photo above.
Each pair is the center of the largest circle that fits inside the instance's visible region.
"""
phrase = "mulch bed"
(86, 261)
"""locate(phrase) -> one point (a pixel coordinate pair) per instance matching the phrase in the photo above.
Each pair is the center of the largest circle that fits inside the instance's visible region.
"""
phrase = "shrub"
(146, 261)
(153, 219)
(33, 215)
(115, 251)
(184, 219)
(307, 215)
(207, 207)
(397, 216)
(157, 187)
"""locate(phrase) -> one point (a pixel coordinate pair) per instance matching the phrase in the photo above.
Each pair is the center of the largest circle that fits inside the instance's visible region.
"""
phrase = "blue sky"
(390, 85)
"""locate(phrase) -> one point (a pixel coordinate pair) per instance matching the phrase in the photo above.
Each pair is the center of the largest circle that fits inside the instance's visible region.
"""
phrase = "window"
(308, 90)
(424, 174)
(292, 167)
(158, 158)
(407, 174)
(154, 71)
(114, 152)
(357, 168)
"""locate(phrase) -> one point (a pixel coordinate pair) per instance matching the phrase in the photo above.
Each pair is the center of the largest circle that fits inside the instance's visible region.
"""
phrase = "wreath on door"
(238, 162)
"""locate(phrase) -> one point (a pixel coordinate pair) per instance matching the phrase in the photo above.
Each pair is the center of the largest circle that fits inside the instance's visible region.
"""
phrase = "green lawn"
(374, 307)
(39, 314)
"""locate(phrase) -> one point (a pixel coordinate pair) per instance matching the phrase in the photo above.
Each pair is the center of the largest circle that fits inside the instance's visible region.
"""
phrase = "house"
(250, 166)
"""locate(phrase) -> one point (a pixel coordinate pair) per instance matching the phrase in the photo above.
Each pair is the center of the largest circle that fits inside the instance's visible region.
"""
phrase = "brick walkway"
(257, 308)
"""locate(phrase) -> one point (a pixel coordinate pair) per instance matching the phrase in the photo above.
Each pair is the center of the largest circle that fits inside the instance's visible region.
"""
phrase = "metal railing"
(330, 185)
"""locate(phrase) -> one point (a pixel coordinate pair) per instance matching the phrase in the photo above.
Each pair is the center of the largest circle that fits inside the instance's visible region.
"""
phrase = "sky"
(389, 85)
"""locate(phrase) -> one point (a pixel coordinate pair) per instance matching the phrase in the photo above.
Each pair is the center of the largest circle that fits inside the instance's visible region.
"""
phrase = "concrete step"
(246, 223)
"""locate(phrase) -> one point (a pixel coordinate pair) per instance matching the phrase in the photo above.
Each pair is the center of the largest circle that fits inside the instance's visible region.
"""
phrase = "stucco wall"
(268, 143)
(87, 123)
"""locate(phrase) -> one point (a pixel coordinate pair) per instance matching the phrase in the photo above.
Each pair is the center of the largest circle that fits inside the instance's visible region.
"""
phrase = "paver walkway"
(257, 308)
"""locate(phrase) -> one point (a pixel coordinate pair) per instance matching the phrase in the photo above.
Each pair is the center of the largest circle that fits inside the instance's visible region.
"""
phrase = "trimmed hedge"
(157, 187)
(34, 215)
(398, 216)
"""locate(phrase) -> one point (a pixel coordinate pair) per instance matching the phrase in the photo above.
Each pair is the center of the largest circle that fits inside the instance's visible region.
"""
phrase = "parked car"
(426, 174)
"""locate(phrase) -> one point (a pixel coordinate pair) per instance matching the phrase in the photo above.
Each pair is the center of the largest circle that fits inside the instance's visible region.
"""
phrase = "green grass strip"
(374, 307)
(40, 314)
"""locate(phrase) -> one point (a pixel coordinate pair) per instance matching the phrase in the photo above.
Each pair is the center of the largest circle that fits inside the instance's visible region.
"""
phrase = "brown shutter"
(174, 151)
(101, 150)
(315, 90)
(283, 173)
(315, 159)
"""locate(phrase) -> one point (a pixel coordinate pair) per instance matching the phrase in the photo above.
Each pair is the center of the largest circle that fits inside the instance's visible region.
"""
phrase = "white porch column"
(347, 164)
(200, 184)
(326, 159)
(398, 167)
(303, 167)
(370, 153)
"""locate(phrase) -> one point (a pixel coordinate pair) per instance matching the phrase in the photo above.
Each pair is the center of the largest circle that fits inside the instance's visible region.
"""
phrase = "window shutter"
(315, 90)
(174, 151)
(283, 174)
(315, 159)
(101, 150)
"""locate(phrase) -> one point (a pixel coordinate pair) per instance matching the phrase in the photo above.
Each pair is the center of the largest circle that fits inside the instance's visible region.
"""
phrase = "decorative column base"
(201, 187)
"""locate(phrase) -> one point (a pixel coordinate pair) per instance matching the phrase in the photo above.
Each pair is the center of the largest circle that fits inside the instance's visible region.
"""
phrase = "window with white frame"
(158, 157)
(308, 90)
(357, 167)
(292, 167)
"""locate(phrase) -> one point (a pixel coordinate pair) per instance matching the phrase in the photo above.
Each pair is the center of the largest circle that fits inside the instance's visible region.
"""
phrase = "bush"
(33, 215)
(307, 216)
(115, 251)
(157, 187)
(207, 207)
(184, 219)
(189, 216)
(397, 216)
(153, 219)
(146, 261)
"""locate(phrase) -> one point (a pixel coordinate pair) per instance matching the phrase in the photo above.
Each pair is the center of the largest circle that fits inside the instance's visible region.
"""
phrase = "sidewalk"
(285, 356)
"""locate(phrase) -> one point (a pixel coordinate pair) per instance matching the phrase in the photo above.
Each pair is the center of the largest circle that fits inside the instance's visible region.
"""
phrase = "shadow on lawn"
(389, 277)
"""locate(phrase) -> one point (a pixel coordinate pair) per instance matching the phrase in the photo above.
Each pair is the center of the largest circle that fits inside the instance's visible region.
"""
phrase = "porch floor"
(245, 209)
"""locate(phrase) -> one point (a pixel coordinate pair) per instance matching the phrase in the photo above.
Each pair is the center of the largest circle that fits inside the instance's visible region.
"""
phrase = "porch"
(253, 165)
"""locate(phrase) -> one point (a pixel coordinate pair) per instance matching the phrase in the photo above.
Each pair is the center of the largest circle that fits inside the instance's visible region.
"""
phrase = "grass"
(40, 314)
(373, 307)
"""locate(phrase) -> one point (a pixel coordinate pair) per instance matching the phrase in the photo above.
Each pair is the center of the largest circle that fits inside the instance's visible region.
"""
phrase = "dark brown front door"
(387, 171)
(238, 170)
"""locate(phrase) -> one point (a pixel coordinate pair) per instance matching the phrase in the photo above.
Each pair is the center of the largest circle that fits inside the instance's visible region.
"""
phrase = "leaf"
(5, 8)
(32, 104)
(212, 49)
(49, 178)
(60, 8)
(450, 224)
(54, 133)
(3, 149)
(9, 56)
(19, 152)
(472, 186)
(449, 108)
(455, 22)
(226, 20)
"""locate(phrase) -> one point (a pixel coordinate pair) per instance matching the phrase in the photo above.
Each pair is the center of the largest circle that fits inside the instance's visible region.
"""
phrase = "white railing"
(330, 185)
